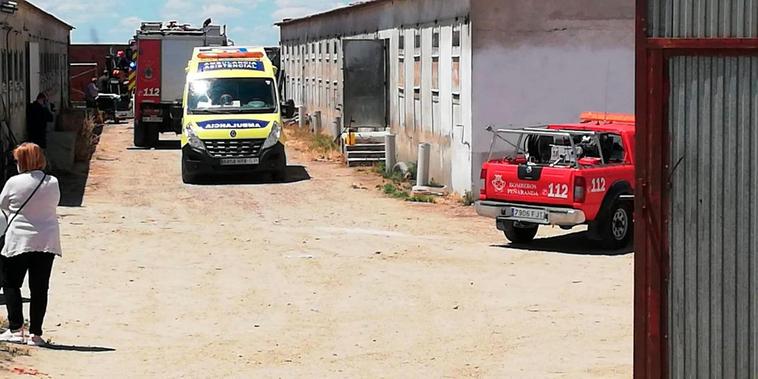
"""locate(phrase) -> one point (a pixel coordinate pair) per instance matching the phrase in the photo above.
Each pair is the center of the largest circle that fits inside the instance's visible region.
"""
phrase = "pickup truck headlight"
(192, 138)
(273, 137)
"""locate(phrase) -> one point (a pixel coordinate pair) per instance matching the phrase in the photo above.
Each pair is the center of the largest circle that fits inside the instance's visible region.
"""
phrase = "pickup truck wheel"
(519, 233)
(619, 228)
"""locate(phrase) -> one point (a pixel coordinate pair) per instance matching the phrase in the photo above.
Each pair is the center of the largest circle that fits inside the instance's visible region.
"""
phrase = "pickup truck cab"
(563, 175)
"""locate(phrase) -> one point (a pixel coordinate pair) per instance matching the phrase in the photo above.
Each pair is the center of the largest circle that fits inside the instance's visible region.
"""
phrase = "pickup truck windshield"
(231, 95)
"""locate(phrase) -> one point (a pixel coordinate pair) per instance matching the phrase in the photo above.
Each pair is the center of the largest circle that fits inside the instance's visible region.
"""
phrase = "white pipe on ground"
(301, 116)
(389, 153)
(422, 168)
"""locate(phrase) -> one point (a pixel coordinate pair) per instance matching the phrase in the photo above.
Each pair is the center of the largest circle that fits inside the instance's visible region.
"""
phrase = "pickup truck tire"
(519, 233)
(617, 231)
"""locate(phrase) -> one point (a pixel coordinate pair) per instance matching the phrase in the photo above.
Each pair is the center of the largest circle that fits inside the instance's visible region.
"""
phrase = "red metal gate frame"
(651, 260)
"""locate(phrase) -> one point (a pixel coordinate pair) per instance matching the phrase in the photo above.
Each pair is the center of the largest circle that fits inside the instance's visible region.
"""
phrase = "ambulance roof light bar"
(229, 53)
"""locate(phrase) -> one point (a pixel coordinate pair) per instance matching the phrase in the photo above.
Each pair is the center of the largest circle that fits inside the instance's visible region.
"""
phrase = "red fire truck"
(564, 175)
(163, 50)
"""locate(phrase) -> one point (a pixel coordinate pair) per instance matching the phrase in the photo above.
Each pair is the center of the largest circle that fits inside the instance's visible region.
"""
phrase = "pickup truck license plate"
(529, 214)
(239, 161)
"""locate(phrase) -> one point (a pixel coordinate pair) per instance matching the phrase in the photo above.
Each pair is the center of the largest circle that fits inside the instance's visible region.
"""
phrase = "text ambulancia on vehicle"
(232, 118)
(564, 175)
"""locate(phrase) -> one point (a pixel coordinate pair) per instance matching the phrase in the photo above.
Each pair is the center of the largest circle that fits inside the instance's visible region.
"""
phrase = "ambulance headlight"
(192, 138)
(273, 137)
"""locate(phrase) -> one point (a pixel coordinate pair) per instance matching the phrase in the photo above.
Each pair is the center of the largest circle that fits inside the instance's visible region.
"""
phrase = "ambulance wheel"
(618, 228)
(189, 177)
(520, 233)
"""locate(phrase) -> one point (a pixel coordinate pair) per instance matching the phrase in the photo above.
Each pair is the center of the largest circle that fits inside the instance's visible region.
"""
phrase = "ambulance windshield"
(232, 95)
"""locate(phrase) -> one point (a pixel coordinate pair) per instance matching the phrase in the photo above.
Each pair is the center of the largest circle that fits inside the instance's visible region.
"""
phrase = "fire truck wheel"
(140, 135)
(519, 233)
(618, 229)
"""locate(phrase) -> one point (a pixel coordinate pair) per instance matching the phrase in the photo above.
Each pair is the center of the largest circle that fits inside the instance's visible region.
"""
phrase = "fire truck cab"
(163, 51)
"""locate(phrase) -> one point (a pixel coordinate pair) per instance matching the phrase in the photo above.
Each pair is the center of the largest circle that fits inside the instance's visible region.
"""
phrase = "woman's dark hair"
(41, 96)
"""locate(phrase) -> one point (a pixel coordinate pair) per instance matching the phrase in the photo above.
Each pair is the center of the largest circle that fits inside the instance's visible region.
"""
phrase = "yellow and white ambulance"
(232, 121)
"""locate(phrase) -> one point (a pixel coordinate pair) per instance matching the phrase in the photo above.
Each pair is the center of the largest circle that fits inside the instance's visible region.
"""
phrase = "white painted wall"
(520, 63)
(411, 119)
(51, 37)
(547, 61)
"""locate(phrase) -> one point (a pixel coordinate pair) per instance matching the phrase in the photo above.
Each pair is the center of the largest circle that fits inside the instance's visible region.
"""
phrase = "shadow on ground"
(294, 174)
(83, 349)
(72, 184)
(162, 145)
(573, 244)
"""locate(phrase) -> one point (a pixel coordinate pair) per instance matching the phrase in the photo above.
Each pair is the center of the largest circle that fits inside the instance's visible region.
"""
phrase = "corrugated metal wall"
(713, 287)
(703, 18)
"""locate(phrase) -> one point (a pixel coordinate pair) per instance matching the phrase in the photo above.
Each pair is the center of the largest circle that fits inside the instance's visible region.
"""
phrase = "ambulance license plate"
(529, 214)
(239, 161)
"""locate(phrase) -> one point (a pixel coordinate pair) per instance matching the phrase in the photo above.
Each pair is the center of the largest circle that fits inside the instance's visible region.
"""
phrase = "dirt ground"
(315, 278)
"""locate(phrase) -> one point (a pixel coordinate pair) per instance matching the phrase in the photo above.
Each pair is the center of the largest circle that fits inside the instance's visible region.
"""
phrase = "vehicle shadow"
(294, 174)
(83, 349)
(162, 145)
(573, 244)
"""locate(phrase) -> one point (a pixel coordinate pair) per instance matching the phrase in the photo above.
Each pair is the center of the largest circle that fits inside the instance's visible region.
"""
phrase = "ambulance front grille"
(240, 148)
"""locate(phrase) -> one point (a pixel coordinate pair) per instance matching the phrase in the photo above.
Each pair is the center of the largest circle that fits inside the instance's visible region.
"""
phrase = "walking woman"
(32, 239)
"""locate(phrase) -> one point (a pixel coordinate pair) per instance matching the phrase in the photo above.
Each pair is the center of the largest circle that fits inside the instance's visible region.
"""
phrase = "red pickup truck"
(564, 175)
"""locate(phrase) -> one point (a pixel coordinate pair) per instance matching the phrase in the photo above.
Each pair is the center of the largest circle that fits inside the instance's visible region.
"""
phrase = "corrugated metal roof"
(703, 18)
(348, 8)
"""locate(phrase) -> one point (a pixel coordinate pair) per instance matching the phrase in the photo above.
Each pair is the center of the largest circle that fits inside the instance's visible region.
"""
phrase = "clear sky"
(249, 22)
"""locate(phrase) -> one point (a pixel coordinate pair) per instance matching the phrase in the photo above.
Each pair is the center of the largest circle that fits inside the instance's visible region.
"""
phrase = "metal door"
(365, 83)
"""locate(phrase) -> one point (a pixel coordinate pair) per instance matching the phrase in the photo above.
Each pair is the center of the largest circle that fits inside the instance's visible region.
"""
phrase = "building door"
(365, 83)
(33, 85)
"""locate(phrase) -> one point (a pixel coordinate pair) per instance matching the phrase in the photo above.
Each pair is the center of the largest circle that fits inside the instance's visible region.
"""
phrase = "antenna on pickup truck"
(607, 79)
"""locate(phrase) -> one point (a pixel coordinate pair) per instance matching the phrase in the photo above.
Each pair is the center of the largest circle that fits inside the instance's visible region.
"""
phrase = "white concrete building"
(441, 71)
(33, 59)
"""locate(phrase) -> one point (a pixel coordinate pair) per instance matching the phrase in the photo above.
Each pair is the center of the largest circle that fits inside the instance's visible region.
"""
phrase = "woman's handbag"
(2, 238)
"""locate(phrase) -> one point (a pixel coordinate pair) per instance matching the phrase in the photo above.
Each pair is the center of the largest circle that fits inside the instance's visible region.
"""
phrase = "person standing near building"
(90, 94)
(29, 204)
(38, 114)
(102, 82)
